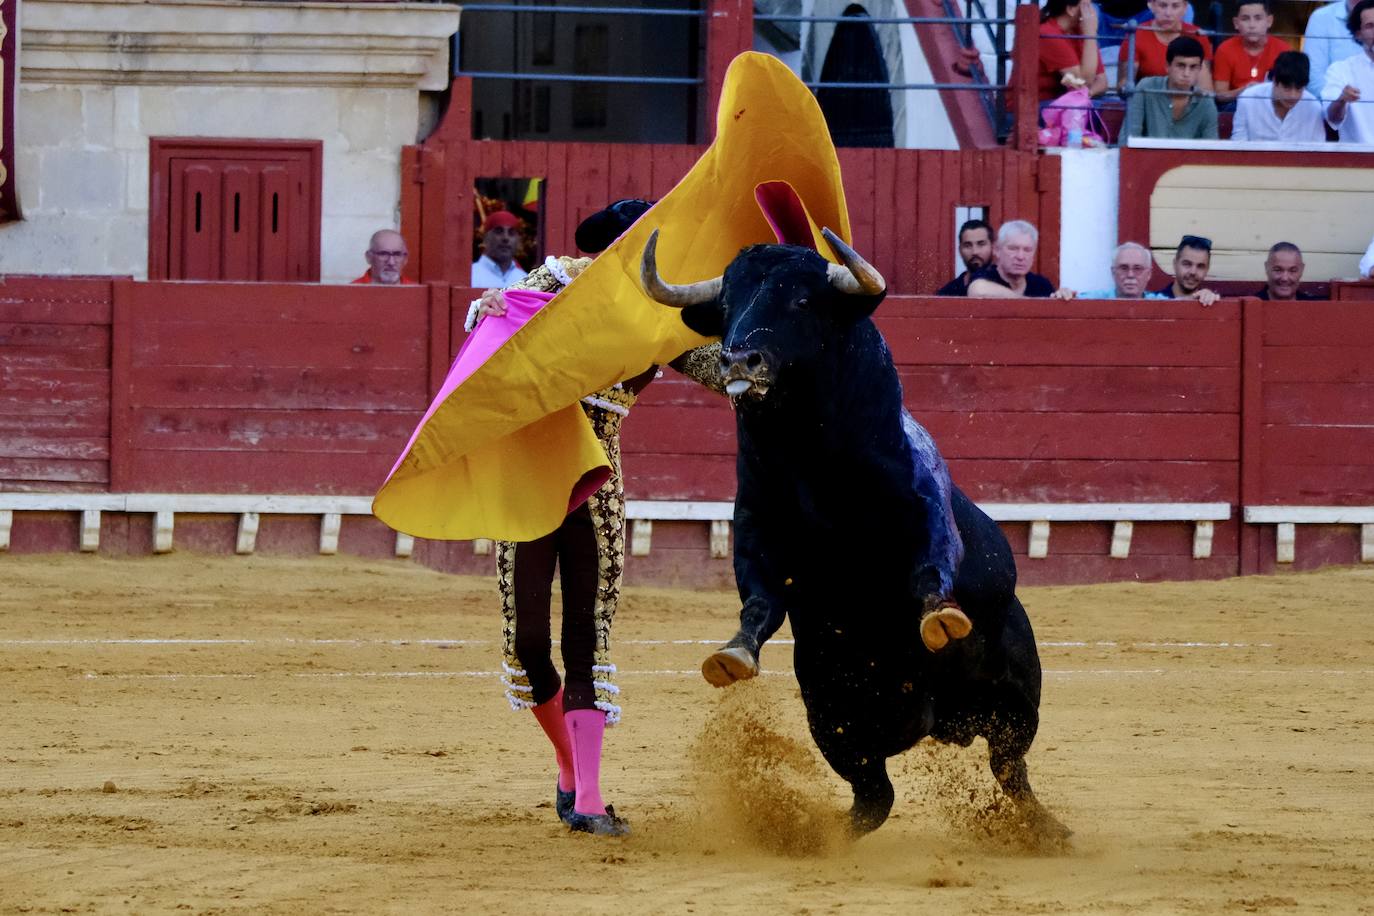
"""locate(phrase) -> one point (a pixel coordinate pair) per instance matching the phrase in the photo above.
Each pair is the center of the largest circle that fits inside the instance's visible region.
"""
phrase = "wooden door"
(234, 210)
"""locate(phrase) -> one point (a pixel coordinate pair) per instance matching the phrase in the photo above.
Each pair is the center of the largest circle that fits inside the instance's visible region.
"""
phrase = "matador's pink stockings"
(586, 727)
(551, 719)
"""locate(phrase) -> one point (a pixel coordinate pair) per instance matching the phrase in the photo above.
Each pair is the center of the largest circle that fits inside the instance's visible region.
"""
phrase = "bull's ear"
(857, 306)
(706, 318)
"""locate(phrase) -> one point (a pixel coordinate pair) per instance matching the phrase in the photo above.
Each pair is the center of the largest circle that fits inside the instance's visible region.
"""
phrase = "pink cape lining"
(490, 335)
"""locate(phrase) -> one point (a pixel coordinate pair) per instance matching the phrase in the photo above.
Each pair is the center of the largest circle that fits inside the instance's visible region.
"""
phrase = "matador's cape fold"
(505, 447)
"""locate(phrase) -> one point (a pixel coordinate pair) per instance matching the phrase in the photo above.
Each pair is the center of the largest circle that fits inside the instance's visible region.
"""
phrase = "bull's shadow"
(900, 591)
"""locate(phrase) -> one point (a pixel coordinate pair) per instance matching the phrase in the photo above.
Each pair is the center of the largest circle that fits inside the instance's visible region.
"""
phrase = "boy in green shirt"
(1170, 106)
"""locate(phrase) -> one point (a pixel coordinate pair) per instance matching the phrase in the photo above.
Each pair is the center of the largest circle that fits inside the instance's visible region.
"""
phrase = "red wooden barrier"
(274, 388)
(269, 388)
(54, 383)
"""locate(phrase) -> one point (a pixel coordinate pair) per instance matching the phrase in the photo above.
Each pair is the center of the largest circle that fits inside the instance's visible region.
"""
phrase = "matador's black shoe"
(563, 804)
(599, 824)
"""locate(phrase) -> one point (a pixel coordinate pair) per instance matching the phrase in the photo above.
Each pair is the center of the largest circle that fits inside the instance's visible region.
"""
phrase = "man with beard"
(496, 268)
(386, 257)
(1283, 270)
(1349, 86)
(1191, 262)
(975, 249)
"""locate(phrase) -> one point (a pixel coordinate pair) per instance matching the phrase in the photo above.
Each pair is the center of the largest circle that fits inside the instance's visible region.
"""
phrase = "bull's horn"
(857, 276)
(670, 293)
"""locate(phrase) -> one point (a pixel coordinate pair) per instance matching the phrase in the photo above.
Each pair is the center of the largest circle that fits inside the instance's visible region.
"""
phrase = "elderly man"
(1349, 88)
(496, 268)
(1009, 275)
(1283, 272)
(1280, 109)
(1191, 263)
(1131, 267)
(1171, 106)
(975, 249)
(386, 257)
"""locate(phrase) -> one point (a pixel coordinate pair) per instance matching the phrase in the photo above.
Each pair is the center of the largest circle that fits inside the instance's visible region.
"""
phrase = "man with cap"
(500, 237)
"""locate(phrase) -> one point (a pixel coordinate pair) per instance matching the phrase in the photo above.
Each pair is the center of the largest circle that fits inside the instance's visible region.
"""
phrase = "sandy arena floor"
(327, 736)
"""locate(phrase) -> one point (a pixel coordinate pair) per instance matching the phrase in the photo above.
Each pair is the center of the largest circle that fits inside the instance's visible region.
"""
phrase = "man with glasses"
(1191, 261)
(386, 257)
(1131, 266)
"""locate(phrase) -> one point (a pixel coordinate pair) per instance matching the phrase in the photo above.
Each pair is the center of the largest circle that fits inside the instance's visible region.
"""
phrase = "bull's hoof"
(940, 626)
(725, 666)
(1045, 832)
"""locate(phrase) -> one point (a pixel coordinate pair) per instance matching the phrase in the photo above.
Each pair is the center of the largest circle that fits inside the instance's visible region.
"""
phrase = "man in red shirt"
(386, 257)
(1152, 40)
(1248, 56)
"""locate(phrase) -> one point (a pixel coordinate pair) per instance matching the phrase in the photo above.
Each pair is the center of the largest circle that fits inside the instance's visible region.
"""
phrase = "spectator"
(1280, 109)
(500, 237)
(1352, 81)
(975, 248)
(1327, 39)
(1171, 106)
(386, 258)
(1009, 274)
(1191, 261)
(1247, 57)
(1283, 273)
(1152, 40)
(1367, 262)
(1131, 267)
(1070, 63)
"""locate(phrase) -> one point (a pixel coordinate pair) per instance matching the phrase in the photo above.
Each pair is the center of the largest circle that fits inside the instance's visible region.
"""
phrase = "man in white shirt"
(1349, 90)
(1281, 109)
(1327, 40)
(496, 268)
(1367, 262)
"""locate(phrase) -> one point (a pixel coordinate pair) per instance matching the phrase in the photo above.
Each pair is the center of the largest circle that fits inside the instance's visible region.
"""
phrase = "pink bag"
(1072, 111)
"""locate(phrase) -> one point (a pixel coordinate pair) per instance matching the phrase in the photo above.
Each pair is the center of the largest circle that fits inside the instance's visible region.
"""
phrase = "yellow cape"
(500, 455)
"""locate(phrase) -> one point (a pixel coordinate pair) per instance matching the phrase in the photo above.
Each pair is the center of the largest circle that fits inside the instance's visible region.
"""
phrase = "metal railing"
(992, 96)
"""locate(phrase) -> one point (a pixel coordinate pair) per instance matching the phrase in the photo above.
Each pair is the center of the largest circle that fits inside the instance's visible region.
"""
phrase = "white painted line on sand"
(694, 672)
(444, 643)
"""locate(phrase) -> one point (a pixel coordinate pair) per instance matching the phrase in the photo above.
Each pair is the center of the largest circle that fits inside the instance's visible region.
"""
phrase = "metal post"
(999, 99)
(1130, 57)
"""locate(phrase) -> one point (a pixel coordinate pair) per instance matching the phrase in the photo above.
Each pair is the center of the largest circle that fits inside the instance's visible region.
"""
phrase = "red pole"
(1025, 67)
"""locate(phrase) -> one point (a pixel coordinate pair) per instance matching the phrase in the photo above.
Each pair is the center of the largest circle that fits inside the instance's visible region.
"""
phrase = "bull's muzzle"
(745, 372)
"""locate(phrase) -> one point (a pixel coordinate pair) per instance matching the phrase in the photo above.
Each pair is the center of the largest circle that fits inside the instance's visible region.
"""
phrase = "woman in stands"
(1069, 62)
(588, 549)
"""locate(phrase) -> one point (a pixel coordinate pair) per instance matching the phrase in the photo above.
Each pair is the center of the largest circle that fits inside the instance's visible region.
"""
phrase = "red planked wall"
(910, 238)
(280, 388)
(54, 384)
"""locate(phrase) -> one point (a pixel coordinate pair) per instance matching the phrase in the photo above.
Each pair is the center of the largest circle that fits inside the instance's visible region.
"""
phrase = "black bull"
(831, 533)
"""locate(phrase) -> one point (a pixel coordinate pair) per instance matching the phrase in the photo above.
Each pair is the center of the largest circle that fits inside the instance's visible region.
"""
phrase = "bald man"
(386, 257)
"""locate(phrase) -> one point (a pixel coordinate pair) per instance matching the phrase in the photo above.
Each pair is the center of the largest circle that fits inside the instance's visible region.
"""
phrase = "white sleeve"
(1240, 126)
(1337, 78)
(1316, 46)
(1367, 262)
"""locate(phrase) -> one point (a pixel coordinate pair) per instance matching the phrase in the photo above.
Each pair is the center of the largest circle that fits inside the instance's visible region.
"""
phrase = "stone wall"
(98, 79)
